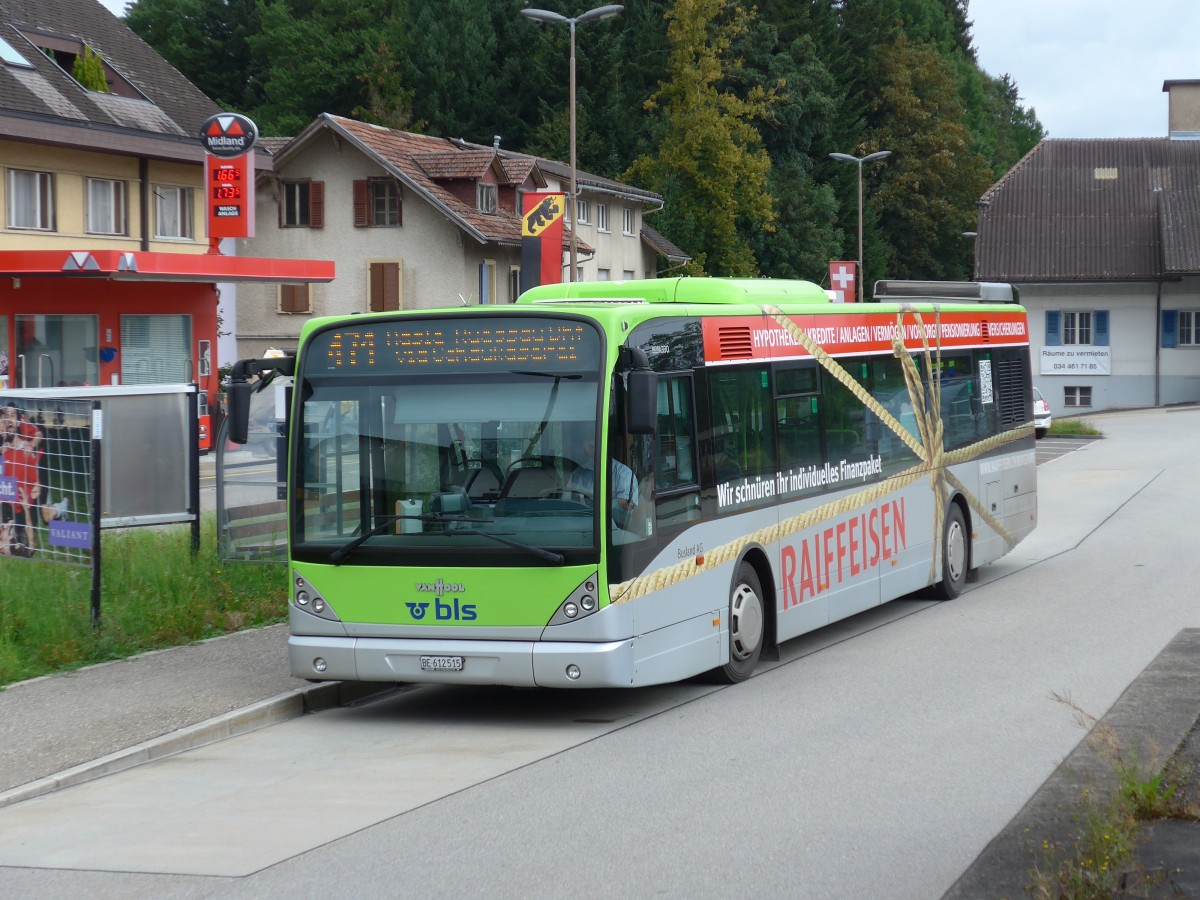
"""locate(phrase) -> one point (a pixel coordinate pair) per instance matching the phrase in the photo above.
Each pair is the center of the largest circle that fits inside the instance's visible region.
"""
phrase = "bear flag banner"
(542, 239)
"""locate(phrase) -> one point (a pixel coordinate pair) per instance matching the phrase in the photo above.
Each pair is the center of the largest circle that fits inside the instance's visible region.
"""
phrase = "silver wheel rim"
(746, 622)
(956, 550)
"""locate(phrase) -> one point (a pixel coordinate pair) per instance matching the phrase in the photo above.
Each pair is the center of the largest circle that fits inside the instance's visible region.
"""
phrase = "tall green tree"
(315, 53)
(711, 167)
(208, 41)
(927, 190)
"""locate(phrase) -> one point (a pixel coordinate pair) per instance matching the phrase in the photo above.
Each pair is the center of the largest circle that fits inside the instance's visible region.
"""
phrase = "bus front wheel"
(746, 619)
(955, 555)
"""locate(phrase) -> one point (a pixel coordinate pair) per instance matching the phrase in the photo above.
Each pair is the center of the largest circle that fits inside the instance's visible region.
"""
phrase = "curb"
(1158, 710)
(272, 711)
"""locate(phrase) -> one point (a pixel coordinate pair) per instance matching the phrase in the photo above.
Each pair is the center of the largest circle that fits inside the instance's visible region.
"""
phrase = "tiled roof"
(272, 144)
(472, 164)
(400, 150)
(174, 108)
(1093, 210)
(518, 168)
(1180, 212)
(661, 245)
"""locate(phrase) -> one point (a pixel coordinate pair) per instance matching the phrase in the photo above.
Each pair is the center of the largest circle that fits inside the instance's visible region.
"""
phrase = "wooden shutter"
(385, 287)
(316, 204)
(293, 298)
(362, 205)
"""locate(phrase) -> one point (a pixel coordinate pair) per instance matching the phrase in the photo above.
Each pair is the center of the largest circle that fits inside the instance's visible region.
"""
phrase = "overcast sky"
(1089, 68)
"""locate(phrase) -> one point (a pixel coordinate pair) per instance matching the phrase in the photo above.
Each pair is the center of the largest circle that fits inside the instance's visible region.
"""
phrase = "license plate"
(442, 663)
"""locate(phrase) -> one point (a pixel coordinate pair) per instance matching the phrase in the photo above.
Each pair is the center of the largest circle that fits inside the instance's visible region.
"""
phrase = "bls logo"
(444, 612)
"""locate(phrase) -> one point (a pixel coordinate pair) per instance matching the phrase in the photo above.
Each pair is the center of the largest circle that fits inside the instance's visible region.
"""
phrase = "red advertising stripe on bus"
(733, 338)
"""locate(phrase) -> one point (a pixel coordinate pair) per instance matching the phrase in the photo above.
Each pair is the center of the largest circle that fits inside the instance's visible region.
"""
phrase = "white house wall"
(1133, 344)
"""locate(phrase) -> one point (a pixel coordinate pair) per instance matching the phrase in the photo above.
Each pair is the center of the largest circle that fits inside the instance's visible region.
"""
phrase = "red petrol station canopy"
(142, 265)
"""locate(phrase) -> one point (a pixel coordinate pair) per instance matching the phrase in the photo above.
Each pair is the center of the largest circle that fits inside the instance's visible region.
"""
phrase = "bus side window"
(845, 417)
(676, 494)
(891, 391)
(742, 423)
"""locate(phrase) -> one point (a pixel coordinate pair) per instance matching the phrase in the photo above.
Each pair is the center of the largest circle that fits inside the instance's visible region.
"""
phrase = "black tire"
(956, 555)
(1039, 432)
(747, 626)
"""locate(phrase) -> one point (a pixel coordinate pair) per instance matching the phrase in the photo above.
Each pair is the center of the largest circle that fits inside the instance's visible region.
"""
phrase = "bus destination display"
(461, 345)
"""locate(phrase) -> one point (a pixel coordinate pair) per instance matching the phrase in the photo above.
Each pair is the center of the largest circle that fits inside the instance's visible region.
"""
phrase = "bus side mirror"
(238, 403)
(239, 389)
(641, 386)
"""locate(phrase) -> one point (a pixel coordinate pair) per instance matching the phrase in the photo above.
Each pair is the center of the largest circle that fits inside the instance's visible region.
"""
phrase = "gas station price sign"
(228, 140)
(229, 195)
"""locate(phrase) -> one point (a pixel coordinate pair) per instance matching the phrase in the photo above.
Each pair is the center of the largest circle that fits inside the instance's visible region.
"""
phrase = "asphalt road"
(876, 759)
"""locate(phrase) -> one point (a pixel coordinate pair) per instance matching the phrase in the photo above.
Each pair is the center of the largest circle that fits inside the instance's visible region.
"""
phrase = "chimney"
(1183, 109)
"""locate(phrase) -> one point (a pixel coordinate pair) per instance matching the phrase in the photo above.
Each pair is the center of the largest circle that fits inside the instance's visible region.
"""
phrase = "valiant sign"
(229, 141)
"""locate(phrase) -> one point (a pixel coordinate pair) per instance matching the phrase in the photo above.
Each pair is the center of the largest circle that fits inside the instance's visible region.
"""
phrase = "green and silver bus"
(630, 483)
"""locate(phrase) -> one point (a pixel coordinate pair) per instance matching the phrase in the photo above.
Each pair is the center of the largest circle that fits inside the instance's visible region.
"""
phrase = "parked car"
(1041, 414)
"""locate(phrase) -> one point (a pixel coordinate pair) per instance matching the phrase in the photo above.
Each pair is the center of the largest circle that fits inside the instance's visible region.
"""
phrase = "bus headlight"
(579, 604)
(310, 601)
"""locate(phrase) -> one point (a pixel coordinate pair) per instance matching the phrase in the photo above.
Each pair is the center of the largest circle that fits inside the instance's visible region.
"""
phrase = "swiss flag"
(843, 281)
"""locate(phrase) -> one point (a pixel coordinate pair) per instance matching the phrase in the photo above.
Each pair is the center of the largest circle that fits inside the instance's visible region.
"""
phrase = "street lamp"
(859, 160)
(592, 15)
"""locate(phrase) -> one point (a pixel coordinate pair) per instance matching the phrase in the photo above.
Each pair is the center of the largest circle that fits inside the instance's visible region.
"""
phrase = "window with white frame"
(105, 206)
(627, 220)
(1189, 327)
(173, 212)
(628, 274)
(584, 212)
(602, 217)
(1076, 327)
(602, 275)
(30, 200)
(485, 198)
(1077, 396)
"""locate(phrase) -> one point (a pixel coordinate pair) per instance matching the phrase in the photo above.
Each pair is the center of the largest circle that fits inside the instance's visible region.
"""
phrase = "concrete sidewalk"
(69, 728)
(1155, 719)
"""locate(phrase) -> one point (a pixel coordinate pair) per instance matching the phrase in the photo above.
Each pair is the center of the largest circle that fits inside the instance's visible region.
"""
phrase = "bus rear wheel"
(746, 618)
(955, 555)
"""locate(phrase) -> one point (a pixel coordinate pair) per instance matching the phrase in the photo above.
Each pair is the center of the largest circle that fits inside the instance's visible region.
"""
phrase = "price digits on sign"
(227, 183)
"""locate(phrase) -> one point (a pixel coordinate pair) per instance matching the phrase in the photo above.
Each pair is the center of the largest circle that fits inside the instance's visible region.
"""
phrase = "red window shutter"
(362, 206)
(385, 287)
(316, 204)
(293, 298)
(391, 286)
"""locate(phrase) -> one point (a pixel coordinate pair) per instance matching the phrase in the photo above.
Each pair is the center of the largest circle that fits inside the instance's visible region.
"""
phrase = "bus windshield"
(467, 458)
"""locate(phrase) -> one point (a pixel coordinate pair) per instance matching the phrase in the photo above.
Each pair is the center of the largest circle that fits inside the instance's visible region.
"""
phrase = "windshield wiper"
(556, 558)
(340, 554)
(345, 550)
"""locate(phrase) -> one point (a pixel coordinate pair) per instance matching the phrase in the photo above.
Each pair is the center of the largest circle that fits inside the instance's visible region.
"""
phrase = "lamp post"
(859, 160)
(592, 15)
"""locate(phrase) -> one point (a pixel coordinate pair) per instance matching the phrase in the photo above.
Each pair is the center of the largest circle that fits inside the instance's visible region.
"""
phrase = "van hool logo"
(439, 587)
(450, 611)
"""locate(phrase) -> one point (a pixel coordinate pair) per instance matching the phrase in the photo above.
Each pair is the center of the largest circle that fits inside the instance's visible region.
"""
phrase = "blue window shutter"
(1170, 328)
(1100, 320)
(1053, 326)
